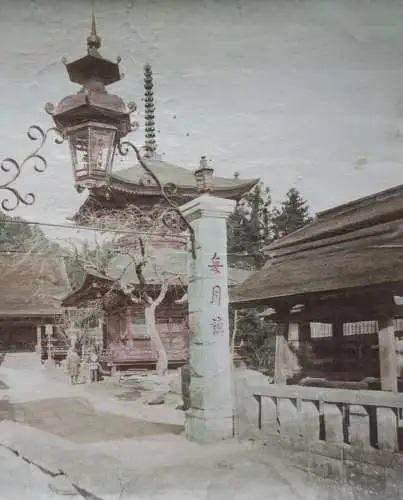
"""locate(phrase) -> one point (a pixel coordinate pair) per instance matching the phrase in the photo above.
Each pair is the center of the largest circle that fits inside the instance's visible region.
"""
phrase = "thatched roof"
(371, 212)
(356, 245)
(31, 285)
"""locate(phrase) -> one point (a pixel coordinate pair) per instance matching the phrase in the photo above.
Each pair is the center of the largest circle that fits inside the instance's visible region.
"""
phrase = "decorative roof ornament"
(93, 66)
(204, 177)
(93, 40)
(149, 113)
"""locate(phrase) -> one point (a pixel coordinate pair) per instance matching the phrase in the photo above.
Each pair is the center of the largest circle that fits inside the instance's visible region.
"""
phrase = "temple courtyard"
(96, 441)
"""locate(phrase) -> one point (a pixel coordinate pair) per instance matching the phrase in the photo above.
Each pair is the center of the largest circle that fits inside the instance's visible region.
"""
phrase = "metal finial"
(204, 176)
(149, 111)
(93, 40)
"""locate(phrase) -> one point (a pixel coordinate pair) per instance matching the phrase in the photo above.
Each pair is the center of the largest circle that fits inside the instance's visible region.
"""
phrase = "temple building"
(32, 287)
(343, 269)
(335, 289)
(124, 337)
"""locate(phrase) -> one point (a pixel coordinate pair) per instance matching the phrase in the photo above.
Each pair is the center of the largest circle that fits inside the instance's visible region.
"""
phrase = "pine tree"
(252, 226)
(248, 228)
(292, 215)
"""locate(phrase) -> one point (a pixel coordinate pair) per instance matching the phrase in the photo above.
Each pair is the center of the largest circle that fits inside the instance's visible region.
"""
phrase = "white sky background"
(291, 91)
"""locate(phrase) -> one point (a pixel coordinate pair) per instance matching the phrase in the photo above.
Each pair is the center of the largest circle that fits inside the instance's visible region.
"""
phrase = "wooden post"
(286, 361)
(337, 335)
(39, 340)
(387, 354)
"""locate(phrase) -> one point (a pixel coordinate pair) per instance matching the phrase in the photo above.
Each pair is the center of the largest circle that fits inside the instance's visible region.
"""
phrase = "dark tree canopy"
(292, 215)
(248, 228)
(253, 226)
(17, 235)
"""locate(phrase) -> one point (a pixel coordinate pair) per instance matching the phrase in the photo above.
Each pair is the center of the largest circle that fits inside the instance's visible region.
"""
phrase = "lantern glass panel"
(92, 149)
(101, 149)
(78, 141)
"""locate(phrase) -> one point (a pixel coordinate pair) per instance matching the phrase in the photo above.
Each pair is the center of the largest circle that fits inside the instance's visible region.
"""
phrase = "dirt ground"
(76, 419)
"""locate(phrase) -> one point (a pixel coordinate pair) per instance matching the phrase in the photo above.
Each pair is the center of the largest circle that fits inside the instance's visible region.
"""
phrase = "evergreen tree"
(248, 228)
(252, 226)
(292, 215)
(17, 235)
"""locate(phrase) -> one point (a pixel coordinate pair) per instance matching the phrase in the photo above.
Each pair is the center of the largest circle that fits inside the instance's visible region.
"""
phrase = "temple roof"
(136, 185)
(31, 285)
(352, 247)
(165, 265)
(182, 177)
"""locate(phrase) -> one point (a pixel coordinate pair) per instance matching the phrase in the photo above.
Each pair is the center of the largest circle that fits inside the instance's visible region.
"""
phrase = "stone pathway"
(122, 450)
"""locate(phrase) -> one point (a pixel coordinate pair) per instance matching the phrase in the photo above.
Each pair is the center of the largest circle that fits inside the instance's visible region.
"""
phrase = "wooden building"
(126, 341)
(343, 269)
(31, 289)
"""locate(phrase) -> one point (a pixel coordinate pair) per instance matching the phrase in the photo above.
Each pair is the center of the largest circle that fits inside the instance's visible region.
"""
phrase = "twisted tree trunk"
(152, 330)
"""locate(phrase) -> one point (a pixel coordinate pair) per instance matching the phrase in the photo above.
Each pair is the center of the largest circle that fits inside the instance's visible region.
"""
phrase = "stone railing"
(359, 418)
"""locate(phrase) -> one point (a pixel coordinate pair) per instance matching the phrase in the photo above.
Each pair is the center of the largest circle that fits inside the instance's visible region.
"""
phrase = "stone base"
(208, 427)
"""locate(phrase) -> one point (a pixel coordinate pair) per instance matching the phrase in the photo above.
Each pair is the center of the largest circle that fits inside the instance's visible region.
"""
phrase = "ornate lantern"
(204, 176)
(92, 120)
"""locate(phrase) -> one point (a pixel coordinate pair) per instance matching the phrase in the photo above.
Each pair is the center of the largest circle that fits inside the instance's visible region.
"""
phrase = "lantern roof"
(93, 66)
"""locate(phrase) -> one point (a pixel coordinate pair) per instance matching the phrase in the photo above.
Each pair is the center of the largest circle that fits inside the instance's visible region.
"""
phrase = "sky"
(302, 93)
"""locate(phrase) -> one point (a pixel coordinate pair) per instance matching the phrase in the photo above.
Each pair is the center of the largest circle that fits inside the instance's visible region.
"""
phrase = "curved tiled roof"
(134, 176)
(167, 172)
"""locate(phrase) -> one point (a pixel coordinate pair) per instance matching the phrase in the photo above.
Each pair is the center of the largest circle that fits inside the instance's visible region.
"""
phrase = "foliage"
(292, 215)
(87, 257)
(16, 235)
(139, 275)
(249, 228)
(253, 226)
(256, 340)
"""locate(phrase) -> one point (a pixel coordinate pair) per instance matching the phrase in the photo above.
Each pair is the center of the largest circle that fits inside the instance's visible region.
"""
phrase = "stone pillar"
(210, 416)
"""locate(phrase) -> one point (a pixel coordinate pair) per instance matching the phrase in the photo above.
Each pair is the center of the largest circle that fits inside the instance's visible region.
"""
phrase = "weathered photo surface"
(201, 249)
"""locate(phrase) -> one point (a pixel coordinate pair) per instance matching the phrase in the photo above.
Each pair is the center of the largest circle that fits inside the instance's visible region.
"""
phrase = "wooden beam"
(387, 354)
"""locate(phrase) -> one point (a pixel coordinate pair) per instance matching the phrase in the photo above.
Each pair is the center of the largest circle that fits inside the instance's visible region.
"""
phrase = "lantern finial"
(93, 40)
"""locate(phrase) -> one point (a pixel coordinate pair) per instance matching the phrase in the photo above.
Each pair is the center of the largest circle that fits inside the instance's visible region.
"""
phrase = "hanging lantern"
(92, 147)
(92, 120)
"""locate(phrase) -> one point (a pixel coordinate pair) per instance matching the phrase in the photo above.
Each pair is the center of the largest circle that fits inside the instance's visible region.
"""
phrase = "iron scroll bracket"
(13, 197)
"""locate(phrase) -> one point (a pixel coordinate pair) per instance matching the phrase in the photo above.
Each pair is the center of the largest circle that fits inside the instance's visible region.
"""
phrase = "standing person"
(73, 362)
(93, 362)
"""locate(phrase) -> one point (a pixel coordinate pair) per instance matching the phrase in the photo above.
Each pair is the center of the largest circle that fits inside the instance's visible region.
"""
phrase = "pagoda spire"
(93, 40)
(149, 112)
